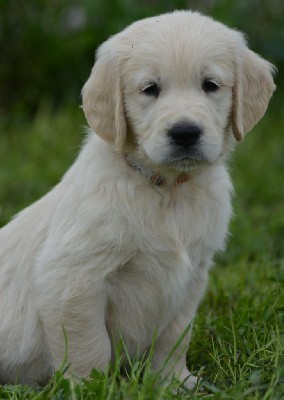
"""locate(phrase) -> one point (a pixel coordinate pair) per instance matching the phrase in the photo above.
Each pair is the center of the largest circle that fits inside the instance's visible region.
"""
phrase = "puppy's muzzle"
(184, 134)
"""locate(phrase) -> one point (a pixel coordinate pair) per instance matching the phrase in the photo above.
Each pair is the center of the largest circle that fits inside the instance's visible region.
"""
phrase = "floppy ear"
(103, 99)
(252, 91)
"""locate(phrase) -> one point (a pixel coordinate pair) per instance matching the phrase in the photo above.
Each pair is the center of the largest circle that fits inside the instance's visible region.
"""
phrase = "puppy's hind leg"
(76, 329)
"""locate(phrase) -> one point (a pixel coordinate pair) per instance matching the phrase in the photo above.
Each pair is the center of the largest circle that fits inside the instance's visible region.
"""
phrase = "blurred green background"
(47, 46)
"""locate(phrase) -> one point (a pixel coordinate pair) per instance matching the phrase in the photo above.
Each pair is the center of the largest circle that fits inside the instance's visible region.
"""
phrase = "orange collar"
(159, 180)
(153, 176)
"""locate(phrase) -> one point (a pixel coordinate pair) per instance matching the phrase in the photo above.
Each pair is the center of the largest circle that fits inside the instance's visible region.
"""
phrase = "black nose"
(184, 134)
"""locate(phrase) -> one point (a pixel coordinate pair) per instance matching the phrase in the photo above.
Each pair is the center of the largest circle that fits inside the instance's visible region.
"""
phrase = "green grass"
(237, 347)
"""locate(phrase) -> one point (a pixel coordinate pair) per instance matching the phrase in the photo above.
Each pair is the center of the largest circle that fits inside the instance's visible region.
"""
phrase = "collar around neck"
(154, 176)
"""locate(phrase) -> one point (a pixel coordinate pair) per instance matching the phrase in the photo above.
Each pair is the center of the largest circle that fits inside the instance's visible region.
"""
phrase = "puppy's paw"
(187, 379)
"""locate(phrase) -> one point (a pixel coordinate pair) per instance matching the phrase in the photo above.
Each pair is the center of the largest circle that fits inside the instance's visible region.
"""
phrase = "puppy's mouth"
(180, 158)
(185, 158)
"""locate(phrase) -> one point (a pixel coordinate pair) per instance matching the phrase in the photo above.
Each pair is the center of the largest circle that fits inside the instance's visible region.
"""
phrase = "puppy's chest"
(146, 292)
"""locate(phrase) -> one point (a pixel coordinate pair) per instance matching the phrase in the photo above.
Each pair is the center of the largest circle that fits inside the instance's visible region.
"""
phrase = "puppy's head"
(181, 85)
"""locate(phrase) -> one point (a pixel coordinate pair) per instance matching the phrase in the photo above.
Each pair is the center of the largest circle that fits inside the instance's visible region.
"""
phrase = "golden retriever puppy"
(121, 247)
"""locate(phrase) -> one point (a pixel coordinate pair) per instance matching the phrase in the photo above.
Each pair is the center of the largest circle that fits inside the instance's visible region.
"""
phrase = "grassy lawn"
(237, 346)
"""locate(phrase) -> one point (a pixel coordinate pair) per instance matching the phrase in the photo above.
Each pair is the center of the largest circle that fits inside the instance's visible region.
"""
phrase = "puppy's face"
(182, 85)
(178, 96)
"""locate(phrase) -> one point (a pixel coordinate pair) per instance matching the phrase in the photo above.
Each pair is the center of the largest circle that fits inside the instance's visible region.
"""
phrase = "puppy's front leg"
(174, 364)
(177, 335)
(81, 315)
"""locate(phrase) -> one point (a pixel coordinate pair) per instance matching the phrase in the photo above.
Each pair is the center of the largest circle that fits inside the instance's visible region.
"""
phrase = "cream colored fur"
(106, 253)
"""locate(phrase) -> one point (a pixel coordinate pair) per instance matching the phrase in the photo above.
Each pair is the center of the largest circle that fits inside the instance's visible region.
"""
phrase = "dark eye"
(210, 85)
(151, 89)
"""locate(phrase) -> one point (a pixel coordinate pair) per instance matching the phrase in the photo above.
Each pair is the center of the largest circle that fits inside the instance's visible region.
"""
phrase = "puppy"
(121, 247)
